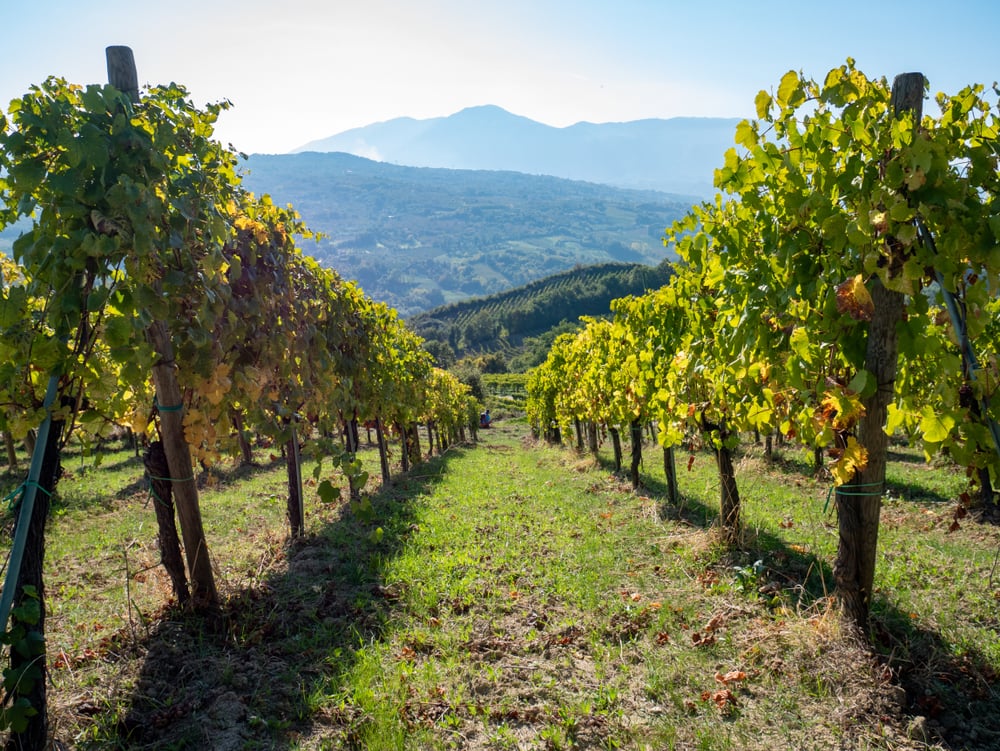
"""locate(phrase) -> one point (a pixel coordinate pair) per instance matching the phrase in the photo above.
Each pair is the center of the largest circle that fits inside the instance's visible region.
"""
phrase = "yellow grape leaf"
(935, 427)
(763, 104)
(854, 459)
(854, 300)
(895, 419)
(841, 409)
(139, 421)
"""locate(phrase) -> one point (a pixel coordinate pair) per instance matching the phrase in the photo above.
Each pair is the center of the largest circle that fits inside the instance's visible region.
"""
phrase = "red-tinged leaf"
(731, 677)
(690, 462)
(955, 526)
(854, 459)
(961, 512)
(715, 622)
(724, 699)
(708, 578)
(702, 640)
(854, 300)
(662, 637)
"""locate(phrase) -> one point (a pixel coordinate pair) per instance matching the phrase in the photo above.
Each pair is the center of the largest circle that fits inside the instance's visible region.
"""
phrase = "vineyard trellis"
(845, 218)
(151, 290)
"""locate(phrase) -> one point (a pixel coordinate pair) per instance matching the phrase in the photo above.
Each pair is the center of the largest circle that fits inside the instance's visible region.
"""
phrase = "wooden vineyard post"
(122, 75)
(670, 474)
(155, 460)
(616, 445)
(296, 507)
(171, 401)
(635, 431)
(383, 450)
(8, 440)
(859, 503)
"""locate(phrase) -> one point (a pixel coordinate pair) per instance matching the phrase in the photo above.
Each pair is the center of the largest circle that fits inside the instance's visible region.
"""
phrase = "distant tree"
(441, 351)
(492, 363)
(467, 372)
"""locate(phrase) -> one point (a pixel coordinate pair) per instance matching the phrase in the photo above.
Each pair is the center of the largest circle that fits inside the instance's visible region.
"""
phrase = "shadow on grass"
(905, 457)
(91, 496)
(240, 472)
(793, 576)
(914, 493)
(274, 672)
(955, 691)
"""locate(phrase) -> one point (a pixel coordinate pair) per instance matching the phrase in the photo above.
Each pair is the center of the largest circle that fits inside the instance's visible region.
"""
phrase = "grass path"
(515, 596)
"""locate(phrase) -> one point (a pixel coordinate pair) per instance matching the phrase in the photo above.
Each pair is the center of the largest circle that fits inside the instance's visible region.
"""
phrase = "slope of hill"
(418, 238)
(676, 155)
(506, 323)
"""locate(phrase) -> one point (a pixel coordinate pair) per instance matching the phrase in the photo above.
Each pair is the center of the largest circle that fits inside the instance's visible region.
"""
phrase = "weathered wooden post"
(293, 467)
(8, 441)
(859, 503)
(635, 431)
(122, 75)
(670, 474)
(155, 461)
(383, 451)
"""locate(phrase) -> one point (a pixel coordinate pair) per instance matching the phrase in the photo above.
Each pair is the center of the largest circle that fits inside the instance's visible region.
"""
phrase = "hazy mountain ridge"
(676, 155)
(418, 238)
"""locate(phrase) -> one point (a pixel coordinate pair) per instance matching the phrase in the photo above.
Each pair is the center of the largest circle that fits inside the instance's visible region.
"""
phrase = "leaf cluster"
(827, 195)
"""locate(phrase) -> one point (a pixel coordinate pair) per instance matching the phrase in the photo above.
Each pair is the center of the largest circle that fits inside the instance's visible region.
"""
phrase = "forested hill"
(418, 238)
(507, 322)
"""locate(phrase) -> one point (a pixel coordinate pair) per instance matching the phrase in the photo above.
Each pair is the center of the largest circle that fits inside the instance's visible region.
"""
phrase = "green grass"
(521, 597)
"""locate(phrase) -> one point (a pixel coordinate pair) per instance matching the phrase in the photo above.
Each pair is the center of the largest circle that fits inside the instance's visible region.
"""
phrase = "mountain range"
(676, 155)
(418, 238)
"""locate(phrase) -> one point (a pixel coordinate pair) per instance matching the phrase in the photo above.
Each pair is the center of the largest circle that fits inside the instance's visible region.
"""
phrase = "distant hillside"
(677, 155)
(503, 323)
(418, 238)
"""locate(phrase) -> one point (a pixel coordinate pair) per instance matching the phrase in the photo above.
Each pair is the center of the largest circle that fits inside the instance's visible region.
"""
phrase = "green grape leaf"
(328, 492)
(934, 426)
(790, 93)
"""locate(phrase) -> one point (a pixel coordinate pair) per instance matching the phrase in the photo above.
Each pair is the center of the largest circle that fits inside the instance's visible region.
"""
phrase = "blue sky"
(300, 70)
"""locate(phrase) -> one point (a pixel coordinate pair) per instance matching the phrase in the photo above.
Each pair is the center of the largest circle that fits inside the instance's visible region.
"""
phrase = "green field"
(521, 596)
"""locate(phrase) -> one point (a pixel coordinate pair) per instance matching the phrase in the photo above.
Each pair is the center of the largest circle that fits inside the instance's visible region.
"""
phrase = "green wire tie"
(863, 493)
(174, 408)
(19, 491)
(170, 479)
(154, 494)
